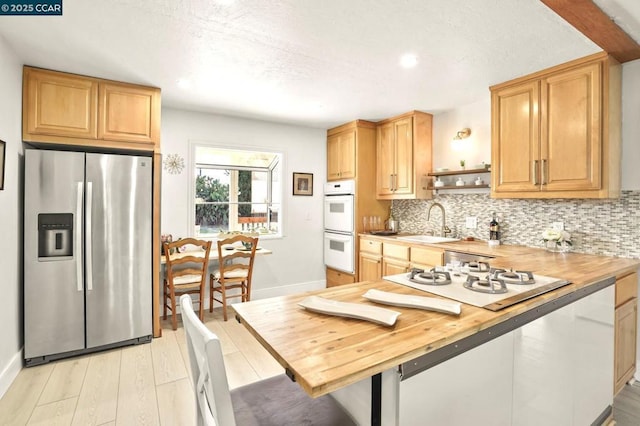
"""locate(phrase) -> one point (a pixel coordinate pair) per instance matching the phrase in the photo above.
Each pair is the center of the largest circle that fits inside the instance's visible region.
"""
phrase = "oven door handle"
(340, 238)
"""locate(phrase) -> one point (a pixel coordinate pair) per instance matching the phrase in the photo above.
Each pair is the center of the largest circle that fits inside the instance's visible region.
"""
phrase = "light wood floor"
(150, 384)
(147, 384)
(626, 406)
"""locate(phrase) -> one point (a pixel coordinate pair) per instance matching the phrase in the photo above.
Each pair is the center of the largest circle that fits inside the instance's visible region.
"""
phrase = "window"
(237, 190)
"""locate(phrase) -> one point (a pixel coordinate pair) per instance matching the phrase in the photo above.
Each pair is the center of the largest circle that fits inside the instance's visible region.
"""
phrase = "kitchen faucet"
(445, 228)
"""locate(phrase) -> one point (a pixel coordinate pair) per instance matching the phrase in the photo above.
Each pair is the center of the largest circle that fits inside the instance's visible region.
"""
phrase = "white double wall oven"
(339, 225)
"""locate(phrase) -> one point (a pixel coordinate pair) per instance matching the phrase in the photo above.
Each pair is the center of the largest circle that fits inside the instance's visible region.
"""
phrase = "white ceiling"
(315, 63)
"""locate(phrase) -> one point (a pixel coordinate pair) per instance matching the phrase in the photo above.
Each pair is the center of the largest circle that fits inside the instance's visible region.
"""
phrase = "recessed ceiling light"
(184, 83)
(408, 60)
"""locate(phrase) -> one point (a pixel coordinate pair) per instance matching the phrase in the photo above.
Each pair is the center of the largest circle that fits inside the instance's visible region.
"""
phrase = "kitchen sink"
(427, 239)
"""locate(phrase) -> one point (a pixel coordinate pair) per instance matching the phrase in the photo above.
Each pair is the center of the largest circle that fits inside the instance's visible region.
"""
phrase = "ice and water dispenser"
(55, 236)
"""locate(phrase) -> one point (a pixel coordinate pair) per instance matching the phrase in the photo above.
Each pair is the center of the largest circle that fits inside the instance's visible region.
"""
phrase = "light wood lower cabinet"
(394, 266)
(625, 330)
(370, 259)
(625, 346)
(426, 257)
(395, 258)
(378, 258)
(336, 278)
(370, 267)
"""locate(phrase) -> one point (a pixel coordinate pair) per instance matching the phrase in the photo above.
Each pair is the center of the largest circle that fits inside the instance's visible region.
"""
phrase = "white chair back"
(213, 400)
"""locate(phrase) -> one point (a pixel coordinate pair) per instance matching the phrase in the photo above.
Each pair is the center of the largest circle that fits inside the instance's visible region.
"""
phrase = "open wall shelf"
(459, 187)
(460, 172)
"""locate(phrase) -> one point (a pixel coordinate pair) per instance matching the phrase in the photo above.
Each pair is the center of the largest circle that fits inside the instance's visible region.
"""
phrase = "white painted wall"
(296, 263)
(631, 125)
(11, 217)
(475, 116)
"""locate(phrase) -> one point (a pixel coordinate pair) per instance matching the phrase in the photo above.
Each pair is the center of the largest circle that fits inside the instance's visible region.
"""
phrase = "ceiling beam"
(590, 20)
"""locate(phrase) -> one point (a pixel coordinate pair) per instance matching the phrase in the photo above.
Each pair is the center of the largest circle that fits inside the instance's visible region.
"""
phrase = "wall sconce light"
(457, 143)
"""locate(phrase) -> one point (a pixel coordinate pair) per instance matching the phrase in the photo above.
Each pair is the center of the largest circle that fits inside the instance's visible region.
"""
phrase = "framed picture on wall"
(302, 183)
(3, 148)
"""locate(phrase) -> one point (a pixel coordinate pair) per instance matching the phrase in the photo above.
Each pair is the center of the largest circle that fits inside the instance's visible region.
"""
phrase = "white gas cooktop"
(515, 293)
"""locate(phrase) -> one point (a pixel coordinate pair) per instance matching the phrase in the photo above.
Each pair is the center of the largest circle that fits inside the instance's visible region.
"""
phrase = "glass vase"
(557, 246)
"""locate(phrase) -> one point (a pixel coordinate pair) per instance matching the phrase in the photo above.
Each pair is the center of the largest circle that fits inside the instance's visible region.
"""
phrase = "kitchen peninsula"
(326, 354)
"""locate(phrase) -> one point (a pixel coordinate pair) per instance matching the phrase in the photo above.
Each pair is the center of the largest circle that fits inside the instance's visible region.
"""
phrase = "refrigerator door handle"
(88, 242)
(78, 235)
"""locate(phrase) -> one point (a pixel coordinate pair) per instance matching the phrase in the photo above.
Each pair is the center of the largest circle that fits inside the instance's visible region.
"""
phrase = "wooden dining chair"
(276, 401)
(185, 273)
(235, 270)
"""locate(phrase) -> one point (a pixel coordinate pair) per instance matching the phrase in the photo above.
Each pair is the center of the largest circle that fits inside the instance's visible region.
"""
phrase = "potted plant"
(462, 164)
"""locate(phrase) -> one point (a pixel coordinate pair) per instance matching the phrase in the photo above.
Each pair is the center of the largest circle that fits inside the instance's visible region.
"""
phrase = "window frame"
(271, 187)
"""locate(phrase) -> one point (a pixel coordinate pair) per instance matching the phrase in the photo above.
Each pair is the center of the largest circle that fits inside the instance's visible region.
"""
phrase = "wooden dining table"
(213, 257)
(213, 254)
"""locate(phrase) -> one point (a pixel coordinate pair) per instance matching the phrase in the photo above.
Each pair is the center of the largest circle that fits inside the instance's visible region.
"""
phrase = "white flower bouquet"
(554, 239)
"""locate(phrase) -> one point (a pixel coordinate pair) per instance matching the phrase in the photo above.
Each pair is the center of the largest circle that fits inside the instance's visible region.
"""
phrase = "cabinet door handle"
(395, 182)
(535, 172)
(544, 171)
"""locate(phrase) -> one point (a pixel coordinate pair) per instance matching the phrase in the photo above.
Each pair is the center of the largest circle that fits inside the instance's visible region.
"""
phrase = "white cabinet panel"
(473, 388)
(356, 399)
(542, 382)
(563, 364)
(593, 358)
(555, 370)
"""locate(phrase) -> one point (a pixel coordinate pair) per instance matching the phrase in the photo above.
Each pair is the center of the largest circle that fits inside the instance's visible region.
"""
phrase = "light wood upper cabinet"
(570, 140)
(516, 144)
(129, 113)
(60, 104)
(386, 164)
(68, 109)
(403, 133)
(556, 133)
(341, 155)
(404, 156)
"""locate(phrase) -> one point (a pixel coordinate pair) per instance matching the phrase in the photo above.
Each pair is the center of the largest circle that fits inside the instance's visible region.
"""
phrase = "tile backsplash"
(604, 227)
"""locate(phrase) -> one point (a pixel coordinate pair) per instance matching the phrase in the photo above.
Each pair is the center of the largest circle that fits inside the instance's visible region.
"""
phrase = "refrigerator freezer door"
(118, 239)
(53, 287)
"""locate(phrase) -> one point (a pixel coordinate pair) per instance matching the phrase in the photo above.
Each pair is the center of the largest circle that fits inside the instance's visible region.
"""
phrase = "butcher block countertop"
(326, 353)
(474, 247)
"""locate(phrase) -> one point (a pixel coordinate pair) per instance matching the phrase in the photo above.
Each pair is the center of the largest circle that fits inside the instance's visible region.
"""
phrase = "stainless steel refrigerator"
(87, 252)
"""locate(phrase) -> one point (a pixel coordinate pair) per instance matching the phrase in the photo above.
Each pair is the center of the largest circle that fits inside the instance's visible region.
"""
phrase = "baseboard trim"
(264, 293)
(286, 290)
(10, 372)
